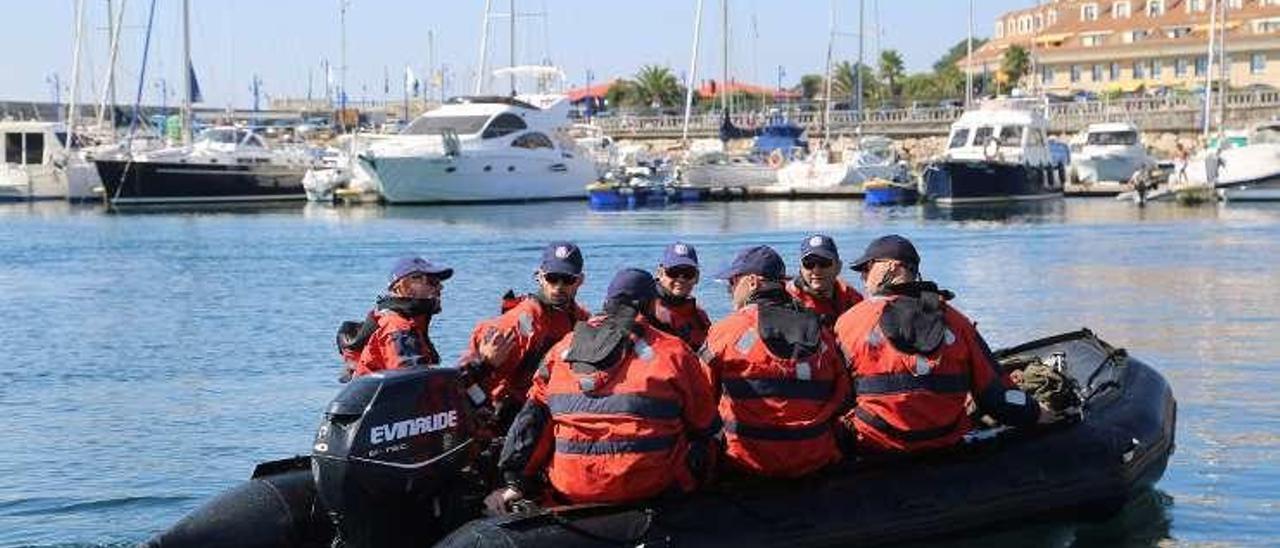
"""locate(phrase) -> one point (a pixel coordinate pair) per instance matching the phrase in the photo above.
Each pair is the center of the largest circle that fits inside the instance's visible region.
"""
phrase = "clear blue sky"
(285, 41)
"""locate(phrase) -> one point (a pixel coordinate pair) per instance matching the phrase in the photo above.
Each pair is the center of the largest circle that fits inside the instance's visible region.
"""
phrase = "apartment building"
(1125, 45)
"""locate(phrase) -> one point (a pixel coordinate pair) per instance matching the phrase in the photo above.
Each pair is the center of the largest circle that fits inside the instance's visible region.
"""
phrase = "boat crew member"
(516, 341)
(620, 411)
(915, 360)
(676, 310)
(819, 287)
(402, 316)
(780, 381)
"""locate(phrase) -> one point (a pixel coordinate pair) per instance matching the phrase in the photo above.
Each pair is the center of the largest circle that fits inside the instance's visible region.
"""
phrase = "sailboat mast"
(724, 56)
(512, 62)
(693, 75)
(75, 72)
(1208, 73)
(968, 61)
(862, 5)
(826, 79)
(1224, 81)
(484, 48)
(106, 106)
(186, 72)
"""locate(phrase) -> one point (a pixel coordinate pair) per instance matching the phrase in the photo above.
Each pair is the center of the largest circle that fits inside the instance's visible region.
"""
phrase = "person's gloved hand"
(500, 501)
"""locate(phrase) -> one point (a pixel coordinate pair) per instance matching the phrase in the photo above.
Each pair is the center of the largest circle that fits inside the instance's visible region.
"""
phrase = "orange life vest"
(779, 411)
(622, 433)
(843, 298)
(685, 320)
(536, 326)
(398, 341)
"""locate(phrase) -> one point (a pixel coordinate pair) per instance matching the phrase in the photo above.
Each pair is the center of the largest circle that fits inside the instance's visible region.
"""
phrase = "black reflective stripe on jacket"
(896, 383)
(798, 389)
(614, 447)
(777, 433)
(883, 426)
(614, 404)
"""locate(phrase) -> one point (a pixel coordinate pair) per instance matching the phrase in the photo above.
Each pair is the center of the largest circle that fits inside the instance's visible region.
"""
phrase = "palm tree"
(844, 82)
(891, 70)
(1015, 64)
(811, 86)
(657, 87)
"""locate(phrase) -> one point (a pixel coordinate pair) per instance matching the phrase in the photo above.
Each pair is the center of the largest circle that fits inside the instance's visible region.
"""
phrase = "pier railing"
(1170, 113)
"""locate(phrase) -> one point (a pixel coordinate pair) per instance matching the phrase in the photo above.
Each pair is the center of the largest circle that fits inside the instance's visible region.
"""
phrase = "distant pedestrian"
(1181, 157)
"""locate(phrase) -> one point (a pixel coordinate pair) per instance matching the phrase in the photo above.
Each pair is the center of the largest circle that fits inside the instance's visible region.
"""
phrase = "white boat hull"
(480, 178)
(1103, 169)
(1248, 165)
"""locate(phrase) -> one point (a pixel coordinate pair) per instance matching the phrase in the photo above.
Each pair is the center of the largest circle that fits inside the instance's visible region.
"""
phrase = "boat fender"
(991, 149)
(775, 159)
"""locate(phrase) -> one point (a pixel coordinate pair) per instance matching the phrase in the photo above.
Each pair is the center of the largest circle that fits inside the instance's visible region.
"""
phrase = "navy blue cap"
(417, 265)
(893, 247)
(632, 285)
(761, 259)
(562, 258)
(679, 254)
(820, 245)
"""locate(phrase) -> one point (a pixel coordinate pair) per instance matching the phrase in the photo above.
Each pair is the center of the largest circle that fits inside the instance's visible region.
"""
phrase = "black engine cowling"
(392, 458)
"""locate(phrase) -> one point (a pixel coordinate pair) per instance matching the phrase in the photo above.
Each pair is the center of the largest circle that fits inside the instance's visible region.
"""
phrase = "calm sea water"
(150, 359)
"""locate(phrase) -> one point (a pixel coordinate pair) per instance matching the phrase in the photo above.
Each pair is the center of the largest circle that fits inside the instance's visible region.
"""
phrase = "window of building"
(1089, 12)
(1097, 73)
(1258, 63)
(1046, 74)
(1157, 67)
(1266, 3)
(1155, 8)
(999, 29)
(1091, 40)
(532, 140)
(1135, 36)
(959, 138)
(1075, 73)
(1053, 17)
(1139, 70)
(1120, 10)
(503, 124)
(1024, 24)
(1039, 21)
(1180, 67)
(1115, 71)
(1263, 26)
(1235, 4)
(1195, 5)
(1202, 65)
(1177, 32)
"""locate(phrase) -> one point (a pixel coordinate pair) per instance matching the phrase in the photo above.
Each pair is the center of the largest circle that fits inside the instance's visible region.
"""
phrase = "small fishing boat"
(878, 192)
(397, 462)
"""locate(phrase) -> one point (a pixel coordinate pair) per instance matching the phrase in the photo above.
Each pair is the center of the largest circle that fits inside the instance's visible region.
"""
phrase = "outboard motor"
(393, 458)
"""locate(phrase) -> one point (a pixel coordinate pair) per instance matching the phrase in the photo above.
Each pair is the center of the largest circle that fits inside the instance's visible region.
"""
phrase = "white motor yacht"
(38, 165)
(874, 158)
(1111, 153)
(1248, 172)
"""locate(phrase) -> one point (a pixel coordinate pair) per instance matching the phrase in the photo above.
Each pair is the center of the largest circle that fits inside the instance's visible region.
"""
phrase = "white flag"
(410, 81)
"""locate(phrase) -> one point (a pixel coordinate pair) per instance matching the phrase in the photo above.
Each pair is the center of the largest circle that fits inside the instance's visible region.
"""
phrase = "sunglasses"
(681, 273)
(811, 263)
(555, 278)
(423, 278)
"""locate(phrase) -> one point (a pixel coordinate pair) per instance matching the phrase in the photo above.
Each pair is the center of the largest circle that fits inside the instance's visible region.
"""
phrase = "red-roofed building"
(713, 88)
(597, 91)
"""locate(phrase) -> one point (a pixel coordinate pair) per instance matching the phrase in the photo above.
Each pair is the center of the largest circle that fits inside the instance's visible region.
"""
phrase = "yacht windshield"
(1266, 134)
(437, 125)
(1011, 135)
(1113, 138)
(224, 136)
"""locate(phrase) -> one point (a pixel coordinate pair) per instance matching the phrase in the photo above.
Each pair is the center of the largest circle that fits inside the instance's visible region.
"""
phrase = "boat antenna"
(693, 74)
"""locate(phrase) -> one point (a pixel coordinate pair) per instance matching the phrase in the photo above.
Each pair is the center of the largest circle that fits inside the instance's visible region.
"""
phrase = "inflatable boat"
(397, 462)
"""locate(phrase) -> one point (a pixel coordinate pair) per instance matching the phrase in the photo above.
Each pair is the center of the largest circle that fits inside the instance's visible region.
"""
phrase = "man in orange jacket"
(504, 351)
(403, 316)
(676, 309)
(780, 380)
(819, 287)
(620, 411)
(916, 360)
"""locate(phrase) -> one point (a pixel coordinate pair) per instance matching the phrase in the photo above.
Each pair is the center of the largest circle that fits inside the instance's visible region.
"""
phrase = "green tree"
(621, 94)
(844, 83)
(656, 86)
(811, 86)
(956, 54)
(1015, 64)
(891, 69)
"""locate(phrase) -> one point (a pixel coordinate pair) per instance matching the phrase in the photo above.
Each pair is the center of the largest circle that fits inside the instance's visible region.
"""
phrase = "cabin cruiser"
(38, 164)
(996, 153)
(225, 164)
(779, 141)
(874, 158)
(1247, 172)
(485, 149)
(1110, 153)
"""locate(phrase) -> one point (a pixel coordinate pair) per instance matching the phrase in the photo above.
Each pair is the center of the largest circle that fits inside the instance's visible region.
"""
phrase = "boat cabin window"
(438, 125)
(1011, 135)
(503, 124)
(221, 136)
(24, 148)
(533, 140)
(959, 138)
(1266, 134)
(1113, 138)
(982, 135)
